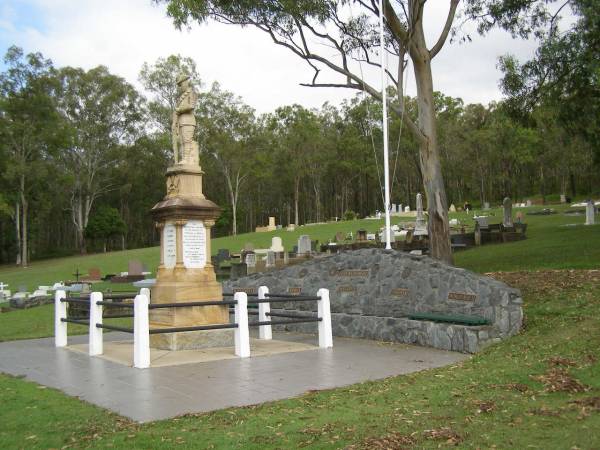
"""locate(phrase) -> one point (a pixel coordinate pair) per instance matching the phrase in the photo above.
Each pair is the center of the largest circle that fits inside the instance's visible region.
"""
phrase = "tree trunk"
(18, 231)
(296, 200)
(433, 182)
(24, 212)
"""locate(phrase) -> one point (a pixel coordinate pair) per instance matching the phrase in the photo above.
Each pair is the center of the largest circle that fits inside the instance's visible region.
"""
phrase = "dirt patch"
(393, 441)
(546, 281)
(559, 380)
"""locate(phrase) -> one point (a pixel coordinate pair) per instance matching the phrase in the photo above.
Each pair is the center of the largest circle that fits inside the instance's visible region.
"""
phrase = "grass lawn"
(540, 389)
(549, 245)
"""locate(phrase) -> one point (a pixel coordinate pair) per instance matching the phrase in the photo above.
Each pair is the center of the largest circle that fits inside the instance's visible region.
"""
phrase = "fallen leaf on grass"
(392, 441)
(544, 412)
(444, 433)
(589, 402)
(560, 361)
(559, 380)
(485, 406)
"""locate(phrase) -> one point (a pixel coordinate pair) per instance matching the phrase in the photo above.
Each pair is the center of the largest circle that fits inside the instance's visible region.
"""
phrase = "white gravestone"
(452, 208)
(194, 244)
(169, 246)
(421, 224)
(250, 259)
(276, 245)
(589, 213)
(407, 209)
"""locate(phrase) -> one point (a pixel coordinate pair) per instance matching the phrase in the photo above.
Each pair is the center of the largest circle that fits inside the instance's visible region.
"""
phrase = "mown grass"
(38, 322)
(550, 244)
(498, 398)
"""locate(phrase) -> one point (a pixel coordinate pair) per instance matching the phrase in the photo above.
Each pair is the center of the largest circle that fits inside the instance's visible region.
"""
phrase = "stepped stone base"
(192, 340)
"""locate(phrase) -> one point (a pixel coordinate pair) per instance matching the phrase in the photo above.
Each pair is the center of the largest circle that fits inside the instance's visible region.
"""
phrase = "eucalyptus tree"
(297, 132)
(104, 113)
(227, 131)
(335, 35)
(160, 81)
(30, 130)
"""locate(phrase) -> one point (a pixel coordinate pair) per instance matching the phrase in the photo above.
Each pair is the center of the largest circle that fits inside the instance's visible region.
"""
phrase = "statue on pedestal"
(185, 148)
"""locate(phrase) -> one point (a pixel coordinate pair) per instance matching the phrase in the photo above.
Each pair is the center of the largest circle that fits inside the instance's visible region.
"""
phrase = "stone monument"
(185, 218)
(590, 209)
(421, 224)
(507, 206)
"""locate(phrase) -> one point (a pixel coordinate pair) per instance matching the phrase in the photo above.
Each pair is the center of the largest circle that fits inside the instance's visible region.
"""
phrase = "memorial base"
(192, 340)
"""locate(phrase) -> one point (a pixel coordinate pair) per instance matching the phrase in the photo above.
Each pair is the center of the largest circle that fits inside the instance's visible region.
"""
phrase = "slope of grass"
(550, 244)
(540, 389)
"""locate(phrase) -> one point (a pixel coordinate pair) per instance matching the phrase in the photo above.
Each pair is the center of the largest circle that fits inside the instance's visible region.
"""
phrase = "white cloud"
(124, 34)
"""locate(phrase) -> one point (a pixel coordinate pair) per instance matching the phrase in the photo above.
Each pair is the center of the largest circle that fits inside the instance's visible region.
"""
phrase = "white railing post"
(141, 332)
(60, 312)
(146, 292)
(241, 335)
(264, 331)
(95, 344)
(324, 312)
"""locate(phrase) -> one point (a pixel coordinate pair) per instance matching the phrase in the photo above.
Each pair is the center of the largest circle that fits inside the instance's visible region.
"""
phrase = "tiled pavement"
(163, 392)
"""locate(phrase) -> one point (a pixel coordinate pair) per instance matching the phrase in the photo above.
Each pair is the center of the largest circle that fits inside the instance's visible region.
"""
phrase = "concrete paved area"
(164, 392)
(121, 352)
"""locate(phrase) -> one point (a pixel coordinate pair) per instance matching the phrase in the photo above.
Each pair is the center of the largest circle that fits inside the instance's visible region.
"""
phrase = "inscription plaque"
(248, 291)
(194, 244)
(346, 289)
(169, 246)
(350, 273)
(461, 296)
(400, 292)
(294, 290)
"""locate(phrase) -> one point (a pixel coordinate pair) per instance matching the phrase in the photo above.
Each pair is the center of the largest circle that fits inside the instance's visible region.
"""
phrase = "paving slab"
(164, 392)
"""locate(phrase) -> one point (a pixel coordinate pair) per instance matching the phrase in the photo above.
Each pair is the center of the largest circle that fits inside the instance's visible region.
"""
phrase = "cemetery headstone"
(452, 208)
(304, 245)
(223, 254)
(135, 267)
(339, 237)
(507, 205)
(407, 208)
(276, 245)
(528, 203)
(250, 259)
(361, 235)
(486, 206)
(270, 259)
(93, 274)
(589, 213)
(421, 224)
(563, 198)
(482, 222)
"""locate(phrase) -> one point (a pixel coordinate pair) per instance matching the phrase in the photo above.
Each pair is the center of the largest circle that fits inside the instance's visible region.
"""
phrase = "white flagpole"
(386, 164)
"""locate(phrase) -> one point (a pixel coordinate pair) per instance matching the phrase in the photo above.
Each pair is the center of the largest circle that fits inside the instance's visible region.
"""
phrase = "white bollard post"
(264, 331)
(95, 343)
(60, 312)
(324, 311)
(146, 292)
(242, 335)
(141, 332)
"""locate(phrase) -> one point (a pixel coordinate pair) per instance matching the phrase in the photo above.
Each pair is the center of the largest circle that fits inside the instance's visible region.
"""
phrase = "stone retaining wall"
(373, 291)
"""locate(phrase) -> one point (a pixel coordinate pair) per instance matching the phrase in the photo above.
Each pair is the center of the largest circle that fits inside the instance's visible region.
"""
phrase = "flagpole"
(386, 164)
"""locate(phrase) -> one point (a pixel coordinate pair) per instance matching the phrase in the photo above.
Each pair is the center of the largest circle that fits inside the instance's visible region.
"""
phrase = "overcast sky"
(122, 34)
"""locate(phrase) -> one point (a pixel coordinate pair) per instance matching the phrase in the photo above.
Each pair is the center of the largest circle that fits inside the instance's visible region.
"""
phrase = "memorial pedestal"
(185, 274)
